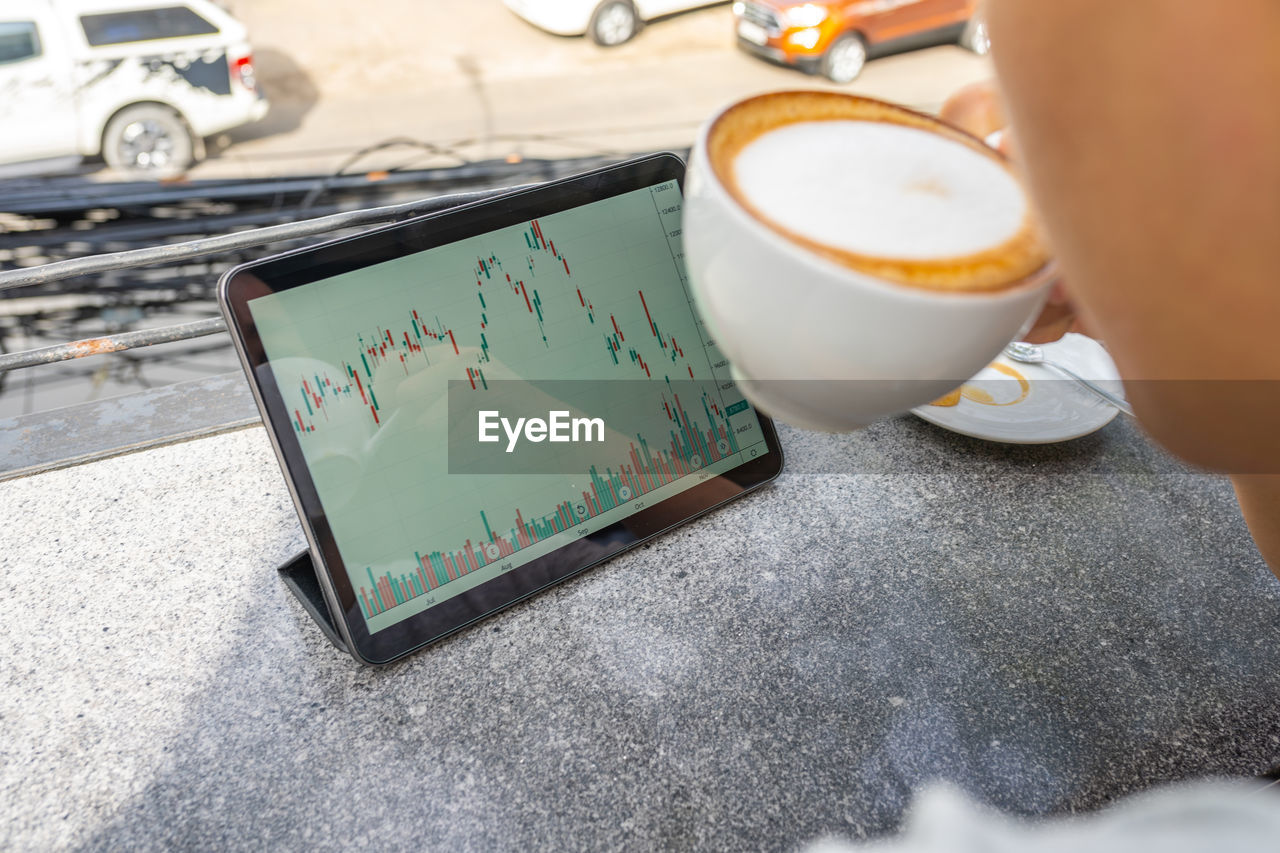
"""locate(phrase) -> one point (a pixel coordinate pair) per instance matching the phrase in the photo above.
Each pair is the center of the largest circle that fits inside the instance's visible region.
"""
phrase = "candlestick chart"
(595, 292)
(410, 341)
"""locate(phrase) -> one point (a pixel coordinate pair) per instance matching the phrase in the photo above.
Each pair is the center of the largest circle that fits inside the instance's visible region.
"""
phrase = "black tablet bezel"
(305, 266)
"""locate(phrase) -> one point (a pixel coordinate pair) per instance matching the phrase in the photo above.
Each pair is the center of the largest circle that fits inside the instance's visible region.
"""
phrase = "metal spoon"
(1032, 354)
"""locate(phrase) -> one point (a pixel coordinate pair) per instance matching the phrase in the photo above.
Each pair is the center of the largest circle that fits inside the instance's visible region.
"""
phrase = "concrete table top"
(1046, 627)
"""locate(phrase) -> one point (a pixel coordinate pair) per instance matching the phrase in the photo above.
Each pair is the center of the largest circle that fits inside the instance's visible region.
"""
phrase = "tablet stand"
(299, 575)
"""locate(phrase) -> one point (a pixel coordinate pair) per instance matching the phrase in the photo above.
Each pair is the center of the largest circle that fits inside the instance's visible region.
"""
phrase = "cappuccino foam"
(881, 189)
(884, 190)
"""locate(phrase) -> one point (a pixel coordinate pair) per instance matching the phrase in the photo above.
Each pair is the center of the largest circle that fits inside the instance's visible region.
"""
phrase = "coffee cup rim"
(1031, 281)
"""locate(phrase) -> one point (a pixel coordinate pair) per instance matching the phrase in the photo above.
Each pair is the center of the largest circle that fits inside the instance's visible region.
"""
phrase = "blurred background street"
(370, 104)
(475, 79)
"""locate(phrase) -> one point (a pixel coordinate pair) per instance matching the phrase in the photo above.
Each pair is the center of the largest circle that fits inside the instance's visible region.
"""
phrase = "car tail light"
(242, 70)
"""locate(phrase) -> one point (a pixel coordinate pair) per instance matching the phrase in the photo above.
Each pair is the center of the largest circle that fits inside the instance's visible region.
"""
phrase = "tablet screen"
(367, 362)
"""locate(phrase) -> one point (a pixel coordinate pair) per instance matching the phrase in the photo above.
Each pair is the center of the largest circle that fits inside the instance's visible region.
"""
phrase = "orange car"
(836, 38)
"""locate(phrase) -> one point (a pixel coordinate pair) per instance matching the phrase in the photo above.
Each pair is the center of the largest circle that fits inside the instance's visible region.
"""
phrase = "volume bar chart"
(691, 447)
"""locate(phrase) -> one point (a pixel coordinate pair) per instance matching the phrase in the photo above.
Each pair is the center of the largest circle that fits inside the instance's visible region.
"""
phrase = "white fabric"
(1198, 818)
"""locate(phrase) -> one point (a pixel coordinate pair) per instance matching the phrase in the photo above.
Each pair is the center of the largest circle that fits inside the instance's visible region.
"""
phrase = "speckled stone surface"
(1046, 627)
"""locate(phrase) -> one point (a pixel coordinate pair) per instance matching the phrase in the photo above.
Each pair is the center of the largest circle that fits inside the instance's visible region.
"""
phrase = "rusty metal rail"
(176, 252)
(111, 343)
(172, 253)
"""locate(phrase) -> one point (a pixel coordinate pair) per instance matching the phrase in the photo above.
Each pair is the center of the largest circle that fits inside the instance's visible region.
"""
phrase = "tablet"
(471, 406)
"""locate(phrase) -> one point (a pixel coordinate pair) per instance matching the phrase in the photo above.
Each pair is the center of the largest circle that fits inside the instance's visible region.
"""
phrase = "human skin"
(1147, 136)
(1260, 502)
(978, 109)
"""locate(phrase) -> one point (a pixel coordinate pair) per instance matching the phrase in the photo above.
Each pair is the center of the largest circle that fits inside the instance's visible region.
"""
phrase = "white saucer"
(1046, 408)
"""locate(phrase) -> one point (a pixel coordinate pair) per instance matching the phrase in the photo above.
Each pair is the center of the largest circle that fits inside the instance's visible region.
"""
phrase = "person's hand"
(977, 109)
(1058, 316)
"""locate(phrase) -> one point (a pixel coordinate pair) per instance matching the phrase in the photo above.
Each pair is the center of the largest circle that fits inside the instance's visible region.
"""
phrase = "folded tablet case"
(299, 575)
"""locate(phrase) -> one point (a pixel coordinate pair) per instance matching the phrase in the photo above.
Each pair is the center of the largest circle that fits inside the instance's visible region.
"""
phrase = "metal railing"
(177, 252)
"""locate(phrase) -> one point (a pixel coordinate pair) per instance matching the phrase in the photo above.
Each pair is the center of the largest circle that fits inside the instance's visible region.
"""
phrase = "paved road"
(468, 76)
(472, 78)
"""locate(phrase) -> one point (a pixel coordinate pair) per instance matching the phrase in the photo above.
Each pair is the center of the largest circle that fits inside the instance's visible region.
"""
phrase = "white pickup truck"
(139, 82)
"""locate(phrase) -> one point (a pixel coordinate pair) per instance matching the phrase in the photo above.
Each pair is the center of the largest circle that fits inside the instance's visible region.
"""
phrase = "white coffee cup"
(815, 341)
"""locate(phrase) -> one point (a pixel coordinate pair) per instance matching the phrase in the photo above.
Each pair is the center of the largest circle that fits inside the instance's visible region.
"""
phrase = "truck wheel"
(845, 59)
(613, 23)
(148, 140)
(975, 37)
